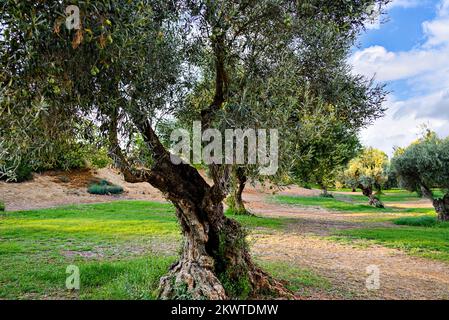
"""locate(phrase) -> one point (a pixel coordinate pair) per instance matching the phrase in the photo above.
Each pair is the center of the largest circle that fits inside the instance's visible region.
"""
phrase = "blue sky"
(410, 53)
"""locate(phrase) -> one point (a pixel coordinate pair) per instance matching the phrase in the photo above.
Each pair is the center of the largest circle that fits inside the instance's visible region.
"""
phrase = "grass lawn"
(395, 195)
(121, 249)
(425, 241)
(344, 205)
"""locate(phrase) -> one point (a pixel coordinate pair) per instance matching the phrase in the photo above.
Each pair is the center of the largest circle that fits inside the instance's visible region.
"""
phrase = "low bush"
(2, 206)
(104, 187)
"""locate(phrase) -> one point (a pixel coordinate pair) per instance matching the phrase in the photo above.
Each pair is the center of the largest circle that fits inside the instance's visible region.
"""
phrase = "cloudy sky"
(410, 53)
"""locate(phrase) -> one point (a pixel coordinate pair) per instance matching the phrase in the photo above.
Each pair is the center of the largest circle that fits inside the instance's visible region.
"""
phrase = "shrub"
(2, 206)
(100, 159)
(104, 187)
(327, 195)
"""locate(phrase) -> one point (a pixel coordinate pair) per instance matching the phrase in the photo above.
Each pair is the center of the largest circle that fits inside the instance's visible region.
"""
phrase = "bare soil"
(53, 189)
(305, 243)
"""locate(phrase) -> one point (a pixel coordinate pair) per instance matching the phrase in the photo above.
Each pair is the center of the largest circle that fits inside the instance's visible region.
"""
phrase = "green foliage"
(368, 170)
(327, 154)
(105, 188)
(100, 159)
(2, 206)
(425, 163)
(18, 173)
(425, 221)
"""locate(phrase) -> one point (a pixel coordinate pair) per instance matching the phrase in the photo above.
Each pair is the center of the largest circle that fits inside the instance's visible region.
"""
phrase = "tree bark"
(215, 263)
(441, 205)
(325, 193)
(442, 208)
(373, 200)
(236, 202)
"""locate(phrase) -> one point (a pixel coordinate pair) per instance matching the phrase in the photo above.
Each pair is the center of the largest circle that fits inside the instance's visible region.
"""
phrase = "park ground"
(319, 247)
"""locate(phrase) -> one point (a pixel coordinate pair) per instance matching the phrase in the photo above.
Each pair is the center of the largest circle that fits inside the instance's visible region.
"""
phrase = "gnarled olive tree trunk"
(215, 262)
(236, 202)
(441, 205)
(373, 200)
(442, 208)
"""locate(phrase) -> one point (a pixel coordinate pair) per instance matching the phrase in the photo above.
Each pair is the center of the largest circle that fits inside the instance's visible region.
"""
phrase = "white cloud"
(390, 66)
(425, 69)
(405, 4)
(399, 128)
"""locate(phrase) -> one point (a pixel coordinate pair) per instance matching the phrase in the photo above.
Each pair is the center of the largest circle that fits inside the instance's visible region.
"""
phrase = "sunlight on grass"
(337, 204)
(431, 242)
(122, 249)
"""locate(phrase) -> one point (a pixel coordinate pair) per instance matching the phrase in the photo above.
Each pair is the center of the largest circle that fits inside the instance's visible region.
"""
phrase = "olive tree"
(327, 155)
(425, 165)
(128, 63)
(368, 172)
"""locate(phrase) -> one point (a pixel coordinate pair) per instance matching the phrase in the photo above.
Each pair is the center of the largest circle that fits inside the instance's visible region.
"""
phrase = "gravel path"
(304, 244)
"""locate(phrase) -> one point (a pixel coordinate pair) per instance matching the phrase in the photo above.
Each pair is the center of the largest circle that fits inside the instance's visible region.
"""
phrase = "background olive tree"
(368, 171)
(425, 165)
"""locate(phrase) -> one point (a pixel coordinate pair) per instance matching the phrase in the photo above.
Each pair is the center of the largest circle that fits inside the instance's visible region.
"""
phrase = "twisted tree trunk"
(215, 263)
(441, 205)
(373, 200)
(236, 202)
(324, 192)
(442, 208)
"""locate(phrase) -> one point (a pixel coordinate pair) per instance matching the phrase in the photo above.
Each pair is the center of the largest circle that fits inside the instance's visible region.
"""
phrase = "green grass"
(427, 241)
(424, 221)
(343, 205)
(303, 282)
(394, 195)
(121, 248)
(327, 203)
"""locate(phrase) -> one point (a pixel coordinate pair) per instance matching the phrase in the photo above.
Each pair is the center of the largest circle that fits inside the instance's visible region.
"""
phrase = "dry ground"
(304, 243)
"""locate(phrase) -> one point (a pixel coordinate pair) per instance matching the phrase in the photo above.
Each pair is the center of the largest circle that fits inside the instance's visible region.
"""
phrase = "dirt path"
(344, 265)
